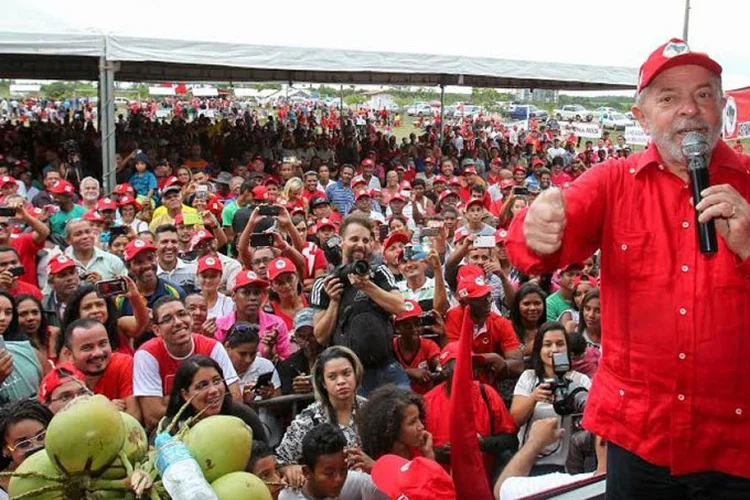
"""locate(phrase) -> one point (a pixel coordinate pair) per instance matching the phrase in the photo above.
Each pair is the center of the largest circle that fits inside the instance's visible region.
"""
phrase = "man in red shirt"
(10, 265)
(418, 356)
(26, 245)
(107, 373)
(666, 397)
(310, 189)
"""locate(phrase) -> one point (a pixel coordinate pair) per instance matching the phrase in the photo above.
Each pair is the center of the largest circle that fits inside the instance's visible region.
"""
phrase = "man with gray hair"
(667, 396)
(90, 192)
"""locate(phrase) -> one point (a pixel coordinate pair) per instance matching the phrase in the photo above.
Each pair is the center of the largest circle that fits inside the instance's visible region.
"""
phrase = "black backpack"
(365, 328)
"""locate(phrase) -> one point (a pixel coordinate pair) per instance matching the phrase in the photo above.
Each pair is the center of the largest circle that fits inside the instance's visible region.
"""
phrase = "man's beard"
(670, 147)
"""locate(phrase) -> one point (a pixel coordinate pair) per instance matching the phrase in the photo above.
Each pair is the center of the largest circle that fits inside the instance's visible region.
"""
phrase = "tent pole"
(107, 122)
(341, 108)
(442, 108)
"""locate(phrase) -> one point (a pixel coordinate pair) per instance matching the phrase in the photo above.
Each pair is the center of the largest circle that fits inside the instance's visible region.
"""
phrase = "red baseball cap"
(199, 238)
(279, 266)
(259, 192)
(470, 271)
(412, 310)
(367, 162)
(537, 161)
(57, 377)
(673, 53)
(374, 192)
(271, 180)
(62, 187)
(362, 192)
(584, 278)
(358, 180)
(397, 197)
(106, 204)
(59, 264)
(172, 183)
(470, 169)
(507, 183)
(396, 237)
(93, 216)
(473, 288)
(460, 234)
(325, 223)
(405, 185)
(500, 236)
(418, 479)
(137, 246)
(446, 194)
(454, 180)
(474, 201)
(209, 262)
(6, 179)
(519, 169)
(429, 159)
(247, 278)
(439, 178)
(122, 189)
(129, 200)
(496, 161)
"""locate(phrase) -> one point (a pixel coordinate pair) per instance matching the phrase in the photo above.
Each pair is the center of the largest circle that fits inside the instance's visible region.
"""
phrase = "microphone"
(695, 147)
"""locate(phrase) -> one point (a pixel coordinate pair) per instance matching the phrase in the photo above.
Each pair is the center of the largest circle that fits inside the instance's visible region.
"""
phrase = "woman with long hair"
(510, 208)
(336, 377)
(581, 286)
(21, 366)
(32, 322)
(590, 325)
(528, 312)
(209, 277)
(291, 197)
(285, 297)
(534, 395)
(22, 430)
(200, 381)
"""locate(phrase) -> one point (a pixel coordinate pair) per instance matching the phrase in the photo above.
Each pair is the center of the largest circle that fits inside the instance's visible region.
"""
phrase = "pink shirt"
(267, 322)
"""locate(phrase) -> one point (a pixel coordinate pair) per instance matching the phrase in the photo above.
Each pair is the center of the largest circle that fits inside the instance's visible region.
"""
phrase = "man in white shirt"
(169, 266)
(555, 150)
(96, 264)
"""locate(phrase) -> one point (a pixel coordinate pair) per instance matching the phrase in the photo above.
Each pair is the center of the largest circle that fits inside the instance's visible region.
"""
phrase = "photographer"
(535, 395)
(355, 310)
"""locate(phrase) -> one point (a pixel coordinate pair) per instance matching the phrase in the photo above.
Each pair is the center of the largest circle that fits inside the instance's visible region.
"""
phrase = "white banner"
(164, 113)
(634, 135)
(208, 113)
(590, 130)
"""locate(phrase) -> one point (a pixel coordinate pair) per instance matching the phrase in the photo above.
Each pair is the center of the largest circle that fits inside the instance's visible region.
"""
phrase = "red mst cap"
(59, 264)
(395, 238)
(279, 266)
(507, 183)
(367, 162)
(137, 246)
(672, 54)
(209, 262)
(419, 479)
(411, 310)
(57, 377)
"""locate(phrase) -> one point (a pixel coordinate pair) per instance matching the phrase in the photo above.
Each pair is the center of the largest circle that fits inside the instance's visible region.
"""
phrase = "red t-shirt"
(314, 259)
(289, 321)
(26, 249)
(428, 350)
(496, 335)
(309, 195)
(167, 364)
(117, 380)
(437, 421)
(24, 288)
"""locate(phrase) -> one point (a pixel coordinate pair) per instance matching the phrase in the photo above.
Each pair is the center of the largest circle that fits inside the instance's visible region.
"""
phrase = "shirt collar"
(722, 156)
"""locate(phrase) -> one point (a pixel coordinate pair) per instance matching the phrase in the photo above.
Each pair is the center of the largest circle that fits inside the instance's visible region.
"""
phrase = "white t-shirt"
(522, 487)
(358, 486)
(556, 453)
(257, 368)
(223, 307)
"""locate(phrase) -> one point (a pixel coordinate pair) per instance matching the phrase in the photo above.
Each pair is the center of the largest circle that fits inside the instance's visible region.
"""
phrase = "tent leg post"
(442, 109)
(107, 121)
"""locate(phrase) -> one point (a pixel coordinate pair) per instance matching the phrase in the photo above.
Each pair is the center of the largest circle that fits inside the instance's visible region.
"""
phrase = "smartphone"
(520, 190)
(429, 232)
(383, 232)
(111, 288)
(269, 210)
(426, 320)
(261, 240)
(118, 230)
(484, 242)
(16, 271)
(192, 219)
(264, 380)
(7, 212)
(414, 252)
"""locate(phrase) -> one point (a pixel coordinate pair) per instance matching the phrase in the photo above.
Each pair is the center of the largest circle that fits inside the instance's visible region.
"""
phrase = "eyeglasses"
(68, 396)
(182, 315)
(29, 443)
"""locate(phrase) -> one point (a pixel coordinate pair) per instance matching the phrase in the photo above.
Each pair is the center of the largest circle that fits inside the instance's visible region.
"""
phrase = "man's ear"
(66, 353)
(307, 472)
(638, 115)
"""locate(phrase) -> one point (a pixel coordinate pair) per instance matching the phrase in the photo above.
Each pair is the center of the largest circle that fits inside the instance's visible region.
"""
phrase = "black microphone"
(695, 147)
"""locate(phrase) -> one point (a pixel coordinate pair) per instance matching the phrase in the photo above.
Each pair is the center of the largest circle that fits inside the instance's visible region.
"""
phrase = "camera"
(427, 319)
(568, 397)
(332, 250)
(111, 288)
(358, 267)
(269, 210)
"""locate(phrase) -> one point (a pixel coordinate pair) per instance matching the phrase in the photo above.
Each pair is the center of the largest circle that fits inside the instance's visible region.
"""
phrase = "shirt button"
(684, 269)
(738, 411)
(624, 247)
(661, 167)
(682, 355)
(685, 224)
(683, 311)
(632, 170)
(622, 393)
(681, 397)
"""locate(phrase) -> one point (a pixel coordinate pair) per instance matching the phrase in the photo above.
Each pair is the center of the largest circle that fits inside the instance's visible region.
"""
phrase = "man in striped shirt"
(341, 194)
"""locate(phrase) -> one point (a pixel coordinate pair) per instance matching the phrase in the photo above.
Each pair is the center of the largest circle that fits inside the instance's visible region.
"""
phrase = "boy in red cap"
(418, 356)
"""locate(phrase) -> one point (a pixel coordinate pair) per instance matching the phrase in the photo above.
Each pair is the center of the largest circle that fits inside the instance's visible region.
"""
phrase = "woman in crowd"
(21, 366)
(590, 326)
(291, 196)
(118, 243)
(392, 422)
(528, 313)
(32, 322)
(185, 177)
(336, 377)
(209, 277)
(86, 303)
(324, 178)
(398, 224)
(129, 207)
(285, 297)
(200, 380)
(22, 427)
(510, 209)
(533, 398)
(581, 286)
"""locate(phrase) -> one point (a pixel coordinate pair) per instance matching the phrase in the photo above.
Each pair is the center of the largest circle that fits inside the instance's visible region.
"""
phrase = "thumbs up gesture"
(545, 222)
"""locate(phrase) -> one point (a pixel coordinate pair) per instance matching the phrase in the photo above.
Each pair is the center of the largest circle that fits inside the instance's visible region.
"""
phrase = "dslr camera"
(568, 397)
(358, 267)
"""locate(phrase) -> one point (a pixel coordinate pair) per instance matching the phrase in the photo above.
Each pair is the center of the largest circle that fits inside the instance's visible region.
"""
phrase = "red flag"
(469, 474)
(180, 89)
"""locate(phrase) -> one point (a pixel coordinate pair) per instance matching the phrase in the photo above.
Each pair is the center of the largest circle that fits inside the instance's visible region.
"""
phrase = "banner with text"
(589, 130)
(635, 136)
(737, 115)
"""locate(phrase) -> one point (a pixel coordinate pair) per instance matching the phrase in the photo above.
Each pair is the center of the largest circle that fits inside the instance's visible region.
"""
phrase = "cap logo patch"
(503, 234)
(479, 281)
(675, 49)
(138, 243)
(409, 306)
(62, 259)
(251, 275)
(210, 261)
(405, 467)
(280, 264)
(463, 293)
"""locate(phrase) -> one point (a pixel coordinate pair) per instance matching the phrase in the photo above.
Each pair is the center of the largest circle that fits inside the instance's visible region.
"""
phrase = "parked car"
(574, 112)
(417, 108)
(616, 121)
(526, 111)
(601, 111)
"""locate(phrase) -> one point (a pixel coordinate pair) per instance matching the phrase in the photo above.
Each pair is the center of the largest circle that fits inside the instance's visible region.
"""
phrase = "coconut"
(40, 463)
(220, 444)
(86, 436)
(241, 485)
(135, 447)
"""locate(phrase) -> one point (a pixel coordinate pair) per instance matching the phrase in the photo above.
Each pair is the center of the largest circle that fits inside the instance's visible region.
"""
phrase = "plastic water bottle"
(180, 473)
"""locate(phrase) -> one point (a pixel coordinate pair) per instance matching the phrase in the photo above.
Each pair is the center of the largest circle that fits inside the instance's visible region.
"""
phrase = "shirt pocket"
(631, 255)
(622, 400)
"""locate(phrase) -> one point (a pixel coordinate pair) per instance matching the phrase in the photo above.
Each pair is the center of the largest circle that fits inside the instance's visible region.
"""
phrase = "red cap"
(406, 185)
(439, 178)
(271, 180)
(122, 189)
(367, 162)
(473, 288)
(374, 192)
(454, 180)
(460, 233)
(429, 159)
(673, 53)
(93, 216)
(62, 187)
(199, 238)
(362, 192)
(106, 204)
(171, 183)
(450, 352)
(279, 266)
(474, 201)
(396, 237)
(247, 278)
(470, 271)
(209, 262)
(584, 278)
(57, 377)
(446, 194)
(129, 200)
(470, 169)
(507, 183)
(259, 192)
(59, 264)
(412, 310)
(6, 179)
(400, 168)
(519, 169)
(397, 197)
(418, 479)
(500, 236)
(358, 180)
(137, 246)
(325, 223)
(496, 161)
(537, 161)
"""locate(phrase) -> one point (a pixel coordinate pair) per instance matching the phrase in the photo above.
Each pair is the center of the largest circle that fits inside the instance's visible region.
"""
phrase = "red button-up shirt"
(675, 323)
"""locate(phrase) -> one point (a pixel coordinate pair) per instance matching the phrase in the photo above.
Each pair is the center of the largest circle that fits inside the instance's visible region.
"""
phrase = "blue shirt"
(341, 197)
(144, 182)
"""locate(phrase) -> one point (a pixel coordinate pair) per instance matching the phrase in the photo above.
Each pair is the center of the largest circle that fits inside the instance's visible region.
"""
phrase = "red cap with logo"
(446, 194)
(260, 192)
(469, 288)
(412, 309)
(199, 238)
(673, 53)
(508, 183)
(93, 216)
(325, 223)
(209, 262)
(418, 479)
(106, 204)
(584, 278)
(59, 264)
(248, 278)
(519, 169)
(279, 266)
(500, 236)
(439, 178)
(6, 179)
(129, 200)
(368, 163)
(429, 159)
(397, 237)
(460, 233)
(271, 180)
(57, 377)
(122, 189)
(397, 197)
(470, 169)
(62, 187)
(171, 184)
(362, 192)
(537, 161)
(137, 246)
(474, 201)
(455, 181)
(358, 180)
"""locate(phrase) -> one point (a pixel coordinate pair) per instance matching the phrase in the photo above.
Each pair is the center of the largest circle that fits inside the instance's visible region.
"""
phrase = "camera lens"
(361, 267)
